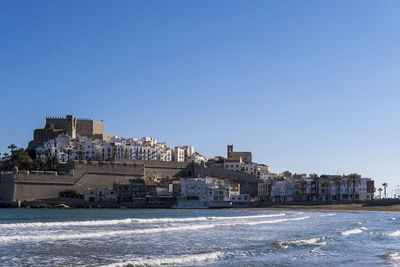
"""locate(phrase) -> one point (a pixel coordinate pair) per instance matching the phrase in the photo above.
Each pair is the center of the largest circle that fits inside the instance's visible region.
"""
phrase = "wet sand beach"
(339, 207)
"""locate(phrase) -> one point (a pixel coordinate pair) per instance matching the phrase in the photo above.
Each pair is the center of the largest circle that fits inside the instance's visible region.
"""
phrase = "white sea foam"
(100, 234)
(391, 256)
(395, 233)
(177, 260)
(317, 241)
(327, 214)
(353, 231)
(129, 221)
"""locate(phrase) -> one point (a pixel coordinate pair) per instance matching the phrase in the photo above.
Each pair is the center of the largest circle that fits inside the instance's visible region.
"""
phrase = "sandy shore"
(337, 207)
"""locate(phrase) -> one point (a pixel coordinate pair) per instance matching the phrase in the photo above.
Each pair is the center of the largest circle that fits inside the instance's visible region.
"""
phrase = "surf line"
(25, 238)
(129, 221)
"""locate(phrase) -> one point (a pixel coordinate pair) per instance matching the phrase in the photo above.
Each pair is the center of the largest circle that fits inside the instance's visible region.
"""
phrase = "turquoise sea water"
(41, 237)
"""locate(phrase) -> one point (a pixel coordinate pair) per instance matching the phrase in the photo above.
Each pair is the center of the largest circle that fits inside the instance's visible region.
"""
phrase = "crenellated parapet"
(68, 125)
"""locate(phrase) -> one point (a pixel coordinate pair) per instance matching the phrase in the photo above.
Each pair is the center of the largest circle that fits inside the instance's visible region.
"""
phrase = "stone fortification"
(23, 185)
(163, 169)
(168, 169)
(70, 126)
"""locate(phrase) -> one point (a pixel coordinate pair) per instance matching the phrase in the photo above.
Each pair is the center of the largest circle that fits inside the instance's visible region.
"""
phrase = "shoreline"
(328, 207)
(371, 206)
(336, 207)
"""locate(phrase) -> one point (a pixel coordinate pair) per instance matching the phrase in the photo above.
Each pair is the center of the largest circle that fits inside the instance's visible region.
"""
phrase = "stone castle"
(70, 126)
(80, 175)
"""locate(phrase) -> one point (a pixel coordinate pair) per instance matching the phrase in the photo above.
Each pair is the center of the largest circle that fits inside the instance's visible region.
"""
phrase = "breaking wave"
(129, 221)
(327, 214)
(318, 241)
(391, 256)
(47, 237)
(177, 260)
(353, 231)
(395, 233)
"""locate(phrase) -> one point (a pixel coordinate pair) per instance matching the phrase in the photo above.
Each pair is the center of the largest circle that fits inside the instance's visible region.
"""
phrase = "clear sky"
(307, 86)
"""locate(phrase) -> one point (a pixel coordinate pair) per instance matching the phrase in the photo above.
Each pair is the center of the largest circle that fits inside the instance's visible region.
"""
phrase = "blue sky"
(307, 86)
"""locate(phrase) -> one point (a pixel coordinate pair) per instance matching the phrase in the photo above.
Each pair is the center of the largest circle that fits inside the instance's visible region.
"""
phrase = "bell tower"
(229, 149)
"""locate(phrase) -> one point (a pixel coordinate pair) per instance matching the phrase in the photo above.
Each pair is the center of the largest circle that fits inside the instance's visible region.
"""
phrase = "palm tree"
(326, 185)
(354, 179)
(384, 189)
(69, 153)
(39, 153)
(12, 147)
(80, 155)
(303, 190)
(47, 154)
(380, 193)
(338, 182)
(315, 178)
(54, 162)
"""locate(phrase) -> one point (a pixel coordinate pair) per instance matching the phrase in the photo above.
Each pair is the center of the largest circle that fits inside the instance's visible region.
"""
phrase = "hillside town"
(73, 160)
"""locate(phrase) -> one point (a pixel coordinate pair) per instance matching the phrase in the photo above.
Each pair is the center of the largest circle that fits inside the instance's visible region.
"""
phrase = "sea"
(208, 237)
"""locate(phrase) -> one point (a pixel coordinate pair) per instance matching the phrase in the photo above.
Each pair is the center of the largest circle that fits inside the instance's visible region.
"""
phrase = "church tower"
(229, 149)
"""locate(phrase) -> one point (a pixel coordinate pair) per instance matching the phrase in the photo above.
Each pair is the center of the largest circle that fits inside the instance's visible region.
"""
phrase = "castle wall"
(90, 128)
(163, 169)
(80, 176)
(84, 128)
(68, 123)
(34, 191)
(6, 186)
(70, 126)
(98, 127)
(42, 135)
(59, 123)
(248, 182)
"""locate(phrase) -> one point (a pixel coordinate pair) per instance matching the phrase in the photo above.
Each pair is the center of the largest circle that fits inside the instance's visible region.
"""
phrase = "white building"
(233, 164)
(198, 158)
(179, 154)
(196, 188)
(259, 170)
(242, 200)
(147, 148)
(208, 192)
(100, 194)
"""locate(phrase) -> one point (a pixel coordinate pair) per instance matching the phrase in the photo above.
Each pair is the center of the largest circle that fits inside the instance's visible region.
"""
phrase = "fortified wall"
(168, 169)
(163, 169)
(34, 185)
(248, 182)
(25, 185)
(70, 126)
